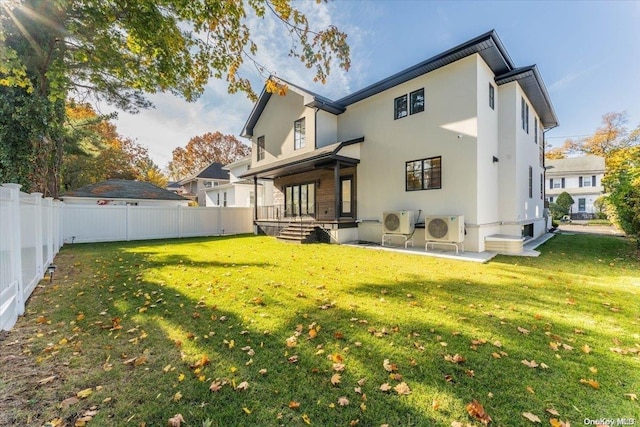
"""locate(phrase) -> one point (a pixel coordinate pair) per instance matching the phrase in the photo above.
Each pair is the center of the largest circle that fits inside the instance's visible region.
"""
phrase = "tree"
(610, 136)
(203, 150)
(555, 153)
(97, 152)
(622, 182)
(118, 51)
(561, 206)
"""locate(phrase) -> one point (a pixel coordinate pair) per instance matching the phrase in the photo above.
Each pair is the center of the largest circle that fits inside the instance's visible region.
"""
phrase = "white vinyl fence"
(30, 236)
(32, 230)
(93, 223)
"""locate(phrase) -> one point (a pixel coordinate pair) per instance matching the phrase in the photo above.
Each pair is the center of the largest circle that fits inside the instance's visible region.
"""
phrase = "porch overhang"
(321, 158)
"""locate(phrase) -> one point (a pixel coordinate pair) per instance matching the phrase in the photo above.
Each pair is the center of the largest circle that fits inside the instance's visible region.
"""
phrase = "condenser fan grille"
(438, 228)
(392, 222)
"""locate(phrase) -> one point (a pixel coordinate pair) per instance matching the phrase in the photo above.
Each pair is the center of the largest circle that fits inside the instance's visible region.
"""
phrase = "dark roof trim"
(488, 45)
(318, 101)
(531, 83)
(304, 161)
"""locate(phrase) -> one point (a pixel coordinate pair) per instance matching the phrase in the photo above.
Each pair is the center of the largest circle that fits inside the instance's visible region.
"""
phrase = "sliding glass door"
(300, 199)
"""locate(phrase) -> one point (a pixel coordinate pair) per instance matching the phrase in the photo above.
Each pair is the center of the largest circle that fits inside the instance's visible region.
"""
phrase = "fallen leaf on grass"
(294, 405)
(335, 379)
(553, 412)
(385, 387)
(530, 390)
(343, 401)
(242, 386)
(592, 383)
(306, 418)
(177, 396)
(531, 417)
(246, 410)
(557, 423)
(632, 396)
(204, 360)
(68, 402)
(456, 358)
(531, 364)
(402, 389)
(338, 367)
(293, 359)
(586, 348)
(476, 410)
(83, 394)
(47, 380)
(389, 367)
(175, 421)
(523, 330)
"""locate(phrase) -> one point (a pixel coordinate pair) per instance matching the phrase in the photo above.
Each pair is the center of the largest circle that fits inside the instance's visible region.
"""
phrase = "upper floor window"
(530, 182)
(492, 96)
(417, 101)
(299, 137)
(400, 107)
(260, 144)
(587, 181)
(424, 174)
(525, 115)
(535, 130)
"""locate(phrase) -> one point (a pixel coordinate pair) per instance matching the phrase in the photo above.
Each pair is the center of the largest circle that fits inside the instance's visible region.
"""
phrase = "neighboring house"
(174, 187)
(581, 177)
(123, 192)
(239, 192)
(193, 186)
(460, 133)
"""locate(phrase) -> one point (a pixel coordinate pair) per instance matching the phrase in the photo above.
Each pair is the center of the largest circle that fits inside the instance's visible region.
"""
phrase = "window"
(260, 144)
(535, 130)
(541, 187)
(424, 174)
(400, 107)
(524, 114)
(584, 181)
(218, 201)
(582, 204)
(417, 101)
(299, 134)
(530, 182)
(492, 96)
(300, 199)
(224, 203)
(550, 199)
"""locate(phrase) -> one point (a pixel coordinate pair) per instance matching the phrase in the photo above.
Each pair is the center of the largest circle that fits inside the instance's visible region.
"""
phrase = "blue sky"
(588, 53)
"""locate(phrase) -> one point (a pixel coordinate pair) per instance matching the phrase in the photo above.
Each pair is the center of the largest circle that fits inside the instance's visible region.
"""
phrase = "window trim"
(396, 110)
(299, 134)
(530, 182)
(422, 173)
(411, 110)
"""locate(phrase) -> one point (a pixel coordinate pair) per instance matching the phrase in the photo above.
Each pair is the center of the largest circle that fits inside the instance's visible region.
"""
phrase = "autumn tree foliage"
(117, 52)
(96, 152)
(203, 150)
(622, 183)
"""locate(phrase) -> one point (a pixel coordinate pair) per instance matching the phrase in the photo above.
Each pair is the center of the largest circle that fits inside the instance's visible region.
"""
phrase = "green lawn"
(308, 334)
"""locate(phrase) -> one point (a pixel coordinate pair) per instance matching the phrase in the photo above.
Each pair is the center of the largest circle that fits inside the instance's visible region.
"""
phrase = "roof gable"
(123, 189)
(487, 45)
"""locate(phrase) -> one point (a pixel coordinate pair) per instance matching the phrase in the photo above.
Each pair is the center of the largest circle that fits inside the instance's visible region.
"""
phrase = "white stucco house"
(239, 192)
(581, 177)
(193, 187)
(455, 139)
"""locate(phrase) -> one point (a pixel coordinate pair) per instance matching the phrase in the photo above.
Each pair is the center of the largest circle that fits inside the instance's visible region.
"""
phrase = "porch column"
(336, 186)
(255, 197)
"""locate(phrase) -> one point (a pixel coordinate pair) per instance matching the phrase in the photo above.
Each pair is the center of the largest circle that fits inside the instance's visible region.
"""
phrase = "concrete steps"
(298, 233)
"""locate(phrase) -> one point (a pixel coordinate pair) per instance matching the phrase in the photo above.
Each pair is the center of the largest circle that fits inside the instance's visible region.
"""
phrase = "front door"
(346, 196)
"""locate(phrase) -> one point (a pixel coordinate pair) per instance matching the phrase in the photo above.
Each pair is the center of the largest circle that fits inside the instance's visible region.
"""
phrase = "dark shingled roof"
(213, 171)
(487, 45)
(123, 189)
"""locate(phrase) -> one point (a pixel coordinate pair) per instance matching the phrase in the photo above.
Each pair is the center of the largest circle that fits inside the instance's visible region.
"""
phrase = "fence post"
(37, 198)
(16, 250)
(49, 212)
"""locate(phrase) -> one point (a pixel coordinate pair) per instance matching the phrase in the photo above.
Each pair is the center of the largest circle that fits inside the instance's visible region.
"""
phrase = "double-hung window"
(417, 101)
(530, 182)
(299, 137)
(260, 146)
(400, 107)
(524, 113)
(492, 96)
(423, 174)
